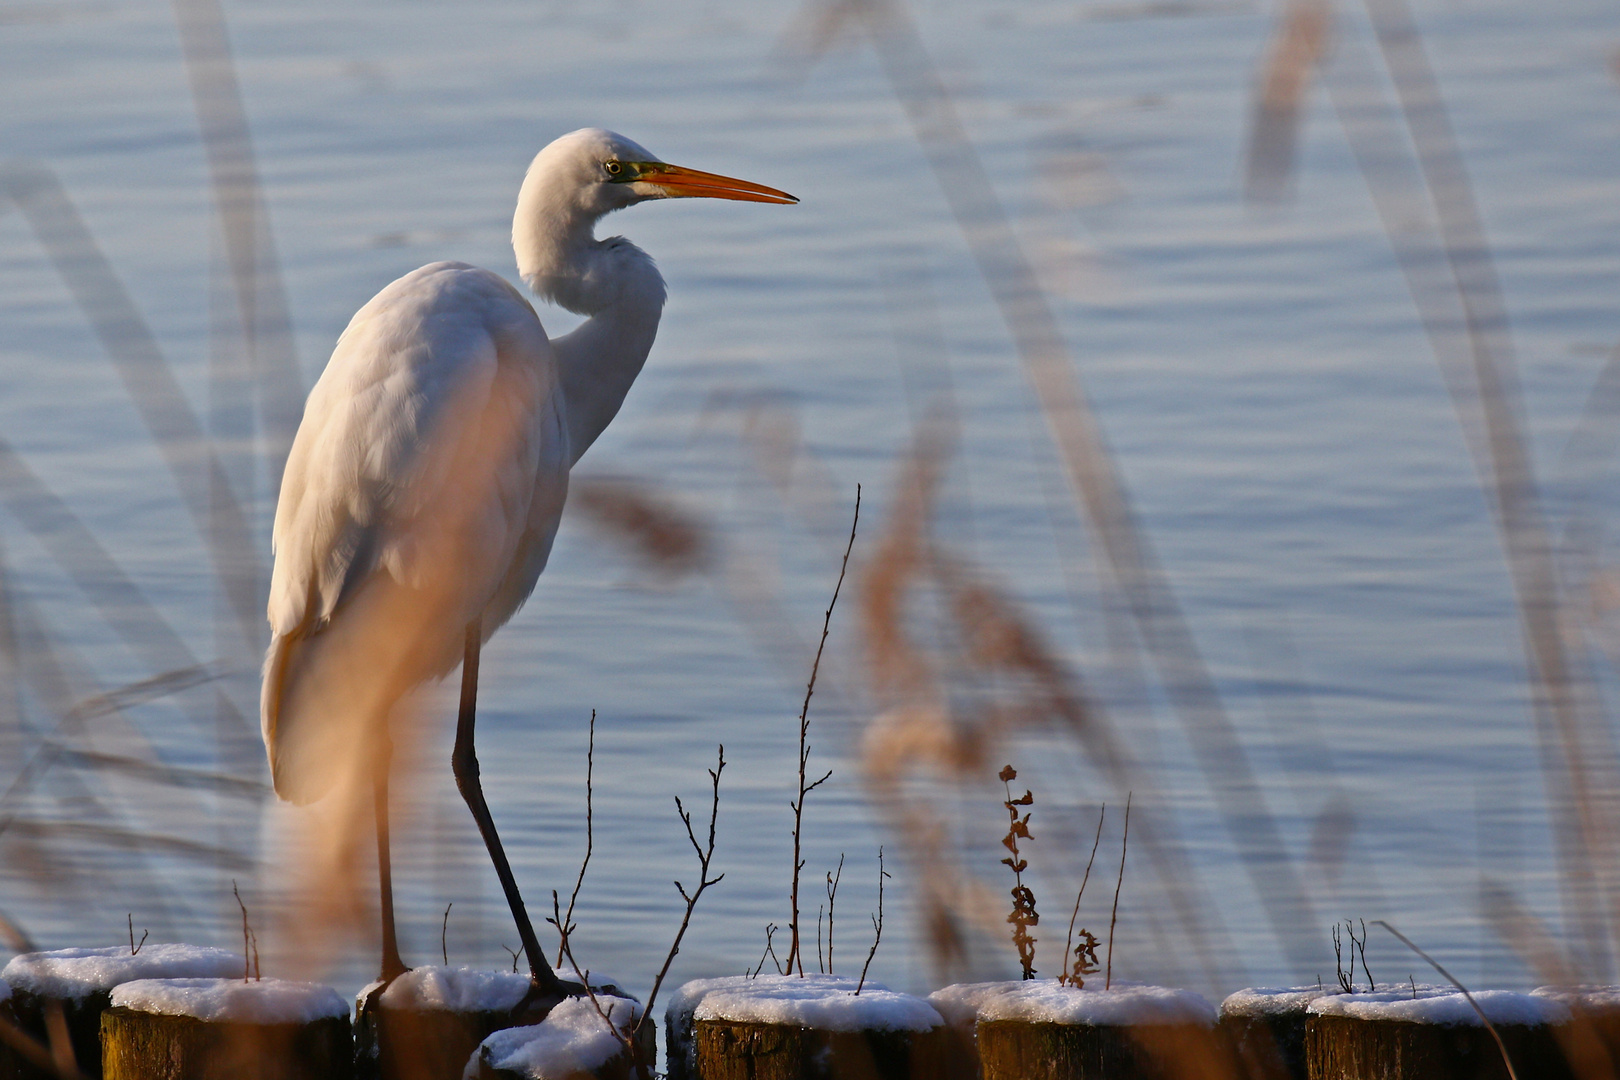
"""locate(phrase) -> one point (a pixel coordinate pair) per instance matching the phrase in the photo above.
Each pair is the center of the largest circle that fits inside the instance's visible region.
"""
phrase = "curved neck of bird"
(612, 281)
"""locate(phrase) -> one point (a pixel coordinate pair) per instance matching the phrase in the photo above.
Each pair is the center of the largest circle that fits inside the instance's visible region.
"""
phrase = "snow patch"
(1271, 1000)
(1443, 1005)
(573, 1039)
(1587, 998)
(824, 1002)
(75, 974)
(262, 1001)
(464, 989)
(1045, 1001)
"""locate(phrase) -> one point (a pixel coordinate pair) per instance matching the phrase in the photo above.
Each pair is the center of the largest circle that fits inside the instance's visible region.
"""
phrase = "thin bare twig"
(444, 934)
(832, 895)
(566, 927)
(704, 854)
(135, 949)
(794, 952)
(770, 930)
(565, 952)
(1452, 979)
(1068, 948)
(1124, 845)
(877, 924)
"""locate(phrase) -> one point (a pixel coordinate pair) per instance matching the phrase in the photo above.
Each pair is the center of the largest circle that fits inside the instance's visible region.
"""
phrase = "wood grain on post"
(740, 1050)
(1042, 1050)
(422, 1044)
(1352, 1048)
(154, 1046)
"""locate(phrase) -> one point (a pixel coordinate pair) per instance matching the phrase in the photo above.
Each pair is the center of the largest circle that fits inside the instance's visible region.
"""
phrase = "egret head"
(591, 172)
(580, 177)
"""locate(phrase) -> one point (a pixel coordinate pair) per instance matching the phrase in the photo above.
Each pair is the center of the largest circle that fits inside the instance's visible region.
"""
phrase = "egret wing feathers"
(423, 490)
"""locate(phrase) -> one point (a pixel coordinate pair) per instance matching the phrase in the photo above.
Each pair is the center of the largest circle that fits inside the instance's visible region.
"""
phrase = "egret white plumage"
(428, 475)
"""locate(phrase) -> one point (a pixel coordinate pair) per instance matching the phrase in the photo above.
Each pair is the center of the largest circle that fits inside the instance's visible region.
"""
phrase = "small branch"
(877, 925)
(1124, 845)
(514, 955)
(444, 934)
(1450, 978)
(567, 926)
(704, 854)
(564, 952)
(1068, 948)
(248, 938)
(135, 949)
(770, 929)
(794, 952)
(832, 895)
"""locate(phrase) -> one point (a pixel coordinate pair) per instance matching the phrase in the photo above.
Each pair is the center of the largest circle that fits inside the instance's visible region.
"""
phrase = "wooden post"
(1265, 1028)
(1591, 1039)
(395, 1043)
(67, 990)
(1351, 1048)
(1030, 1050)
(740, 1050)
(154, 1046)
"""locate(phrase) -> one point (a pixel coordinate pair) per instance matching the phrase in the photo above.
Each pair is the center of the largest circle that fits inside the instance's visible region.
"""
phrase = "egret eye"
(613, 168)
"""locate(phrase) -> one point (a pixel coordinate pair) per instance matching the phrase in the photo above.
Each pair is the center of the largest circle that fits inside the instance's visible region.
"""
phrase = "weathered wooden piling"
(427, 1023)
(1433, 1033)
(1039, 1030)
(1265, 1027)
(1591, 1039)
(815, 1027)
(226, 1029)
(67, 990)
(574, 1042)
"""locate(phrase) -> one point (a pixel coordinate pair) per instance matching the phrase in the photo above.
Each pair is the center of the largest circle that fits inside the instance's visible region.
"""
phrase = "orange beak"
(676, 182)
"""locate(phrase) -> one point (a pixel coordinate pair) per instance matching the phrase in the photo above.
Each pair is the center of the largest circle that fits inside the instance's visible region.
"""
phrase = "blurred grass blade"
(1304, 29)
(245, 223)
(151, 383)
(1092, 473)
(126, 609)
(1469, 331)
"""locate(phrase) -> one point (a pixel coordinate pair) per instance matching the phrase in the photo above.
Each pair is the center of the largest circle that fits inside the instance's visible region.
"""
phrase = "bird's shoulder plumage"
(432, 457)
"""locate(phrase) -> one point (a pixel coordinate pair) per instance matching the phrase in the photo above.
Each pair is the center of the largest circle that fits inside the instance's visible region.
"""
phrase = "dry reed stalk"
(1093, 476)
(245, 227)
(145, 372)
(666, 538)
(1461, 289)
(1302, 37)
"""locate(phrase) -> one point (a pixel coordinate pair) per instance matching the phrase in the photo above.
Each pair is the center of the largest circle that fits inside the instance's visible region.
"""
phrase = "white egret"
(428, 475)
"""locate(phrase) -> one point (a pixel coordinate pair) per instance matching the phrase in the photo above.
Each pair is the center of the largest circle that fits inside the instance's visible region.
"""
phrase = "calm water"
(1261, 375)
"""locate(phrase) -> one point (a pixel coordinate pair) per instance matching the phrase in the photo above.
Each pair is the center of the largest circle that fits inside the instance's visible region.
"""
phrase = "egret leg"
(392, 965)
(464, 762)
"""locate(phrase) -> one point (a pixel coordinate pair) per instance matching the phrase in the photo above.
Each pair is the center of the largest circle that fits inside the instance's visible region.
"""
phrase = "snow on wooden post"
(429, 1021)
(573, 1042)
(72, 987)
(1040, 1030)
(814, 1027)
(226, 1029)
(1266, 1029)
(1433, 1033)
(1591, 1040)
